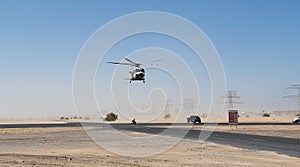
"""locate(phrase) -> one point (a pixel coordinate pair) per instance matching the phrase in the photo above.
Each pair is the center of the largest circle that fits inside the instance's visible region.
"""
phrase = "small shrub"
(111, 117)
(204, 115)
(266, 115)
(298, 115)
(247, 116)
(167, 116)
(61, 118)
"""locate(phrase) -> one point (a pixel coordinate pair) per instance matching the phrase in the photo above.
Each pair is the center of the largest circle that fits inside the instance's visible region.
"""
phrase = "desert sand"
(72, 147)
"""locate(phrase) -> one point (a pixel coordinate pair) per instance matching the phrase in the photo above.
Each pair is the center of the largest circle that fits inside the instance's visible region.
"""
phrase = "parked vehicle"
(194, 119)
(296, 120)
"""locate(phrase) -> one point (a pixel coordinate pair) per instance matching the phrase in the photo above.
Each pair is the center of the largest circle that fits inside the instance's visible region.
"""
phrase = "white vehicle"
(296, 120)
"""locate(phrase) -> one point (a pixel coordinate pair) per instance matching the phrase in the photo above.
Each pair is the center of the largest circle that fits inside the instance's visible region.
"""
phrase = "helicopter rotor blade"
(136, 64)
(154, 61)
(128, 64)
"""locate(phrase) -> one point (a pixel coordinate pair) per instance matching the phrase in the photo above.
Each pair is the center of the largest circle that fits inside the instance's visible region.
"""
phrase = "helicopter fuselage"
(137, 74)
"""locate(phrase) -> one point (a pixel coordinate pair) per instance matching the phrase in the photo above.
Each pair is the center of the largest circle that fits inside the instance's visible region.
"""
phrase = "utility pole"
(232, 98)
(233, 114)
(188, 104)
(167, 108)
(297, 96)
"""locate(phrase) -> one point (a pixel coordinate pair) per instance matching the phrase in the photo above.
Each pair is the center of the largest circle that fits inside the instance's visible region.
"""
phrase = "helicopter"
(137, 73)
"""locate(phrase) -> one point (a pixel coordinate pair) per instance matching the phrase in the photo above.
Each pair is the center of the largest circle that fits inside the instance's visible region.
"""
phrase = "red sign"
(233, 116)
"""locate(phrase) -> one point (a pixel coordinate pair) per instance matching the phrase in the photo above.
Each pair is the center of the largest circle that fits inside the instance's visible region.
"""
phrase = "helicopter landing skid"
(136, 80)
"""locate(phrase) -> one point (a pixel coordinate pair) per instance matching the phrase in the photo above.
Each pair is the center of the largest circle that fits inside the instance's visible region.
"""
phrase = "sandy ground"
(259, 118)
(72, 147)
(291, 131)
(245, 118)
(276, 117)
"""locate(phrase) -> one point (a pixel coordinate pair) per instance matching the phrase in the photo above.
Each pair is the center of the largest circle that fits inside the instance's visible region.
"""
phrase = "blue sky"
(258, 42)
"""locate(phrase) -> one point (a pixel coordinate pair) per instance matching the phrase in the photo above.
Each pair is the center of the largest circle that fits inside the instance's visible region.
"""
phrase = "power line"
(297, 96)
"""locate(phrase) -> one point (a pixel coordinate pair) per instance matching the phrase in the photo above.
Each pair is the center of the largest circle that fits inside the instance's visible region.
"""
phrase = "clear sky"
(257, 40)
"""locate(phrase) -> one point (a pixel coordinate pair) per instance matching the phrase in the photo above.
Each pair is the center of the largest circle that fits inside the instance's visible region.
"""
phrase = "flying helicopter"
(137, 73)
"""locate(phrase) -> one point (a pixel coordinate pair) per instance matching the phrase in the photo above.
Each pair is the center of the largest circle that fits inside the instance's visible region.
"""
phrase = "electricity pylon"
(297, 96)
(188, 105)
(231, 98)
